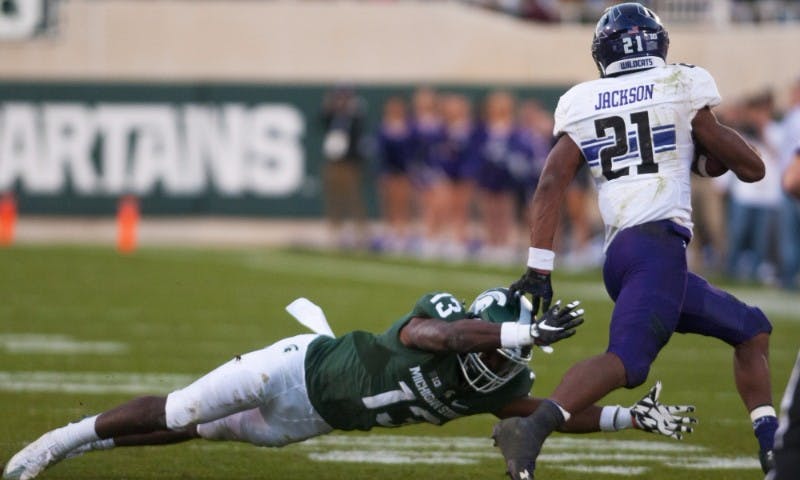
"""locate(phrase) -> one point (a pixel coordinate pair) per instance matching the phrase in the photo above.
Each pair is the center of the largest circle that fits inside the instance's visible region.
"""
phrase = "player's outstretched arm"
(472, 335)
(724, 144)
(461, 336)
(648, 414)
(559, 170)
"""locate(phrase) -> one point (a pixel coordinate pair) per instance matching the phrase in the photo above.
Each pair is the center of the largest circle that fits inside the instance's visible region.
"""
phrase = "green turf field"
(82, 329)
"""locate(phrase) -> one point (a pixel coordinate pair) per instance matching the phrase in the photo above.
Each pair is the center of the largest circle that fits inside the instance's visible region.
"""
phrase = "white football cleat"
(33, 459)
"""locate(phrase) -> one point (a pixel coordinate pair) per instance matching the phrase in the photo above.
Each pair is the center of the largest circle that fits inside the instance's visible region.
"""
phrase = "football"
(704, 164)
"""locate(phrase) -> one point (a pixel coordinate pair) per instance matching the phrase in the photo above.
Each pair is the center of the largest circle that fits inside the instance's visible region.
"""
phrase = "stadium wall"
(194, 148)
(210, 107)
(324, 41)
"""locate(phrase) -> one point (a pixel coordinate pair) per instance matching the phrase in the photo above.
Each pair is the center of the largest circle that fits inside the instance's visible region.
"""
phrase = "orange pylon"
(127, 223)
(8, 219)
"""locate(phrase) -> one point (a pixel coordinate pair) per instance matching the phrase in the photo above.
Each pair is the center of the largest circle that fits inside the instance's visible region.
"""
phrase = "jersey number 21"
(620, 150)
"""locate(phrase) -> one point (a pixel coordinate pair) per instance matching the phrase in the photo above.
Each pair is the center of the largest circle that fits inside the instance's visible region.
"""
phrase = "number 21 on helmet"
(629, 37)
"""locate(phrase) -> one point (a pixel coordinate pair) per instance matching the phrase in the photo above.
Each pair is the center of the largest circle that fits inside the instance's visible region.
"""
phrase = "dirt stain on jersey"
(676, 81)
(662, 184)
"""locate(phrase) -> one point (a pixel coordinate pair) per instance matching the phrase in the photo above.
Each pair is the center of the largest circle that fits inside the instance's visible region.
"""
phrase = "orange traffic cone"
(127, 222)
(8, 219)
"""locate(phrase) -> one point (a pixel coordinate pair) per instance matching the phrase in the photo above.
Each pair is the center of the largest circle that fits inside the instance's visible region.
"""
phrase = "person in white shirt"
(790, 206)
(753, 208)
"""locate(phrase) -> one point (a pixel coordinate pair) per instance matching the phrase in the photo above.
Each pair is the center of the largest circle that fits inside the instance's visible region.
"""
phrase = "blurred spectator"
(506, 171)
(394, 151)
(538, 124)
(538, 10)
(672, 11)
(754, 206)
(708, 248)
(342, 119)
(791, 177)
(790, 209)
(575, 238)
(427, 131)
(454, 162)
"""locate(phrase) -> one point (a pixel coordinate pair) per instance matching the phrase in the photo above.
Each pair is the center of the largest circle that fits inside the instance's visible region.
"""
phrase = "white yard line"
(390, 457)
(56, 344)
(92, 382)
(573, 454)
(607, 469)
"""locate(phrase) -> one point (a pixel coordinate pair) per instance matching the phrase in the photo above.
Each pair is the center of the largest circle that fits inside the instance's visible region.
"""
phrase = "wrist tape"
(513, 334)
(541, 259)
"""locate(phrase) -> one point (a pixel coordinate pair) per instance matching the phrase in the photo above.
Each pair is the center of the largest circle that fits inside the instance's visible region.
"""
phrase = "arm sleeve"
(560, 116)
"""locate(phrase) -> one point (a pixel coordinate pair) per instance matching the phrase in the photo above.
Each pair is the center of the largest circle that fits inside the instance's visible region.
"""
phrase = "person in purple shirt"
(453, 167)
(427, 131)
(395, 149)
(505, 171)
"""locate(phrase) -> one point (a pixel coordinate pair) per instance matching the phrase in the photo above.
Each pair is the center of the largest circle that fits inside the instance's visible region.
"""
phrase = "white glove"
(651, 416)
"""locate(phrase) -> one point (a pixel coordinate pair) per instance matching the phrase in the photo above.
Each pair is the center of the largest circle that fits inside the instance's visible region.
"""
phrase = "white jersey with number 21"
(635, 133)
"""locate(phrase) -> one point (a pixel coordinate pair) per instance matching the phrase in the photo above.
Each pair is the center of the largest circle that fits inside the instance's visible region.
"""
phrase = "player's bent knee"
(179, 412)
(636, 374)
(636, 365)
(755, 329)
(760, 322)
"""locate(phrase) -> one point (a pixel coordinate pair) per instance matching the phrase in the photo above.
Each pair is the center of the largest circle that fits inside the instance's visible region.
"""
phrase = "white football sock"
(615, 418)
(76, 434)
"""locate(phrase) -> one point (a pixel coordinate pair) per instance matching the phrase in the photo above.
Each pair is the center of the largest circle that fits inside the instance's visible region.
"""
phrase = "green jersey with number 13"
(363, 380)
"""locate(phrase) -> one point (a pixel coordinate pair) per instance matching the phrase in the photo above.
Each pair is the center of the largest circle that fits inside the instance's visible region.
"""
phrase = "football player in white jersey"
(636, 127)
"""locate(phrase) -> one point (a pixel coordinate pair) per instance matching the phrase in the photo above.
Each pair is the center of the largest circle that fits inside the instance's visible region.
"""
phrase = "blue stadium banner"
(241, 149)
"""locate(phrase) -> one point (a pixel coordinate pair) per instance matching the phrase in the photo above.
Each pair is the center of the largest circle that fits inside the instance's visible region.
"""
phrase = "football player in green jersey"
(438, 363)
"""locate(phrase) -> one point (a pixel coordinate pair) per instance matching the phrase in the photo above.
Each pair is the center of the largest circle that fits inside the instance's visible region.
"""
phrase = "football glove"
(538, 285)
(651, 416)
(557, 323)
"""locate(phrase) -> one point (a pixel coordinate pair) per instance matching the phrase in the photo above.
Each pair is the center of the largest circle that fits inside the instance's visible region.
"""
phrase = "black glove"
(557, 323)
(538, 285)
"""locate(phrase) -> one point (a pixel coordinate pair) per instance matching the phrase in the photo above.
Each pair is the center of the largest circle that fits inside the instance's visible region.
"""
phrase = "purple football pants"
(645, 273)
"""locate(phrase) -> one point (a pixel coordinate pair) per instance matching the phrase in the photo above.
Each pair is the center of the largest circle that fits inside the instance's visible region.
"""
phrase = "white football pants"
(259, 397)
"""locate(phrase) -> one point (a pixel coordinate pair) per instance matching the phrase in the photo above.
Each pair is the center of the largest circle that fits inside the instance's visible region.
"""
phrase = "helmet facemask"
(487, 371)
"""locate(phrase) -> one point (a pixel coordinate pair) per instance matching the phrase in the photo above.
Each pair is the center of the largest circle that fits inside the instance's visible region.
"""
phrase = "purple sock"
(764, 429)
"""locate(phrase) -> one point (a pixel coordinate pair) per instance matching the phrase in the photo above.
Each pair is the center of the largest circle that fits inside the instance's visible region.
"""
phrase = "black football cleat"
(515, 438)
(767, 459)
